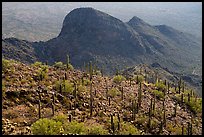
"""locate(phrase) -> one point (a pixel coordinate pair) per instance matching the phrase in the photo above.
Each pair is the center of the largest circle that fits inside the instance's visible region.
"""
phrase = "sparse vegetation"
(89, 104)
(113, 92)
(158, 94)
(118, 79)
(46, 127)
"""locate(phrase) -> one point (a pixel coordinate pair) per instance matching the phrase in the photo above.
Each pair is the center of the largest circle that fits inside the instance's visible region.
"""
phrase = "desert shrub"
(96, 130)
(37, 64)
(46, 127)
(194, 106)
(75, 127)
(128, 129)
(67, 86)
(160, 86)
(118, 79)
(113, 92)
(5, 65)
(97, 72)
(87, 82)
(115, 122)
(175, 129)
(140, 78)
(70, 67)
(81, 89)
(60, 118)
(158, 94)
(59, 65)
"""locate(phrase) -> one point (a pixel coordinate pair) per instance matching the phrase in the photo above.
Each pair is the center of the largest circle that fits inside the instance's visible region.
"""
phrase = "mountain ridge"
(109, 41)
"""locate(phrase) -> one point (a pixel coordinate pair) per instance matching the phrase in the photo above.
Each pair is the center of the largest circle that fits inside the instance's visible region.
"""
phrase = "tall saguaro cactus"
(39, 109)
(53, 104)
(118, 121)
(91, 70)
(175, 109)
(168, 85)
(179, 85)
(140, 95)
(67, 61)
(164, 117)
(112, 124)
(122, 93)
(153, 107)
(91, 101)
(39, 104)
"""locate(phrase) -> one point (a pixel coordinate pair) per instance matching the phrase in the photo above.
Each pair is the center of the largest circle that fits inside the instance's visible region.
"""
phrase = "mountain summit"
(88, 34)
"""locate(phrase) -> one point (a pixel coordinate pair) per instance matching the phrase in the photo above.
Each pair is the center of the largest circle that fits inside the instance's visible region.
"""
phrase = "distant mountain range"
(88, 34)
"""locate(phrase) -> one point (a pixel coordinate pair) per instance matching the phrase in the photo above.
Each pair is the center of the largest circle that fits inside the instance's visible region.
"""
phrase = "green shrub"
(81, 89)
(37, 64)
(60, 118)
(5, 65)
(128, 129)
(158, 94)
(75, 127)
(118, 79)
(46, 127)
(70, 67)
(97, 130)
(113, 92)
(160, 86)
(140, 78)
(59, 65)
(67, 86)
(87, 82)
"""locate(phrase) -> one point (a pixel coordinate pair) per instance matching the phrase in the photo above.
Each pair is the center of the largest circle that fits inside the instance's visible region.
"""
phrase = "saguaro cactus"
(60, 88)
(189, 98)
(90, 70)
(161, 127)
(39, 104)
(130, 82)
(168, 85)
(109, 101)
(122, 93)
(118, 121)
(67, 61)
(140, 95)
(112, 124)
(91, 100)
(175, 109)
(182, 98)
(53, 104)
(179, 85)
(39, 109)
(149, 120)
(137, 80)
(153, 107)
(65, 76)
(106, 88)
(183, 87)
(70, 118)
(164, 117)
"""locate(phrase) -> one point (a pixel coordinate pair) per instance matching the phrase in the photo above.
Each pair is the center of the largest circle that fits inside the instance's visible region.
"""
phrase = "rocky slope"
(23, 83)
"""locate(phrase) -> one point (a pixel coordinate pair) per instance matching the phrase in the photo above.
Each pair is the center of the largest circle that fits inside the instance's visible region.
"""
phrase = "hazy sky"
(185, 16)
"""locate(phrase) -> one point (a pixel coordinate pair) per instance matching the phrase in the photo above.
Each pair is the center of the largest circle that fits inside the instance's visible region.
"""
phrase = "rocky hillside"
(41, 99)
(192, 81)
